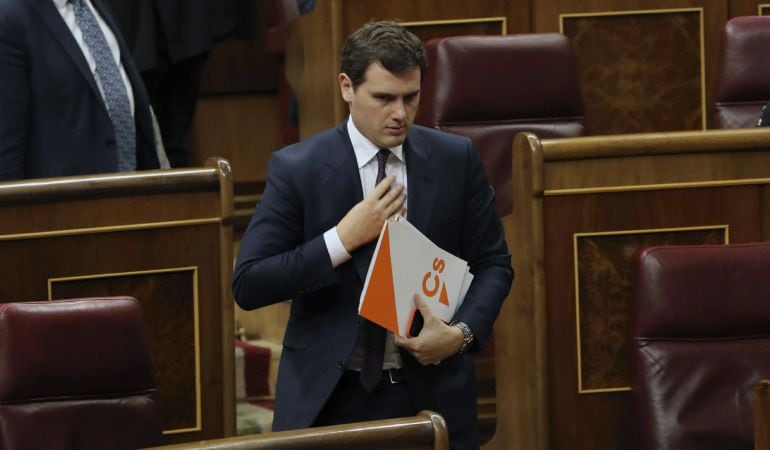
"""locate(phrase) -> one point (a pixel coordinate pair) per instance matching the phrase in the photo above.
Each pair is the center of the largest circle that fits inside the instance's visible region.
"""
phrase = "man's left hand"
(436, 340)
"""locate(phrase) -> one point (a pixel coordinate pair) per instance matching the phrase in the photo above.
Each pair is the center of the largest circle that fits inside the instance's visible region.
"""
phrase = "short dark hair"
(386, 42)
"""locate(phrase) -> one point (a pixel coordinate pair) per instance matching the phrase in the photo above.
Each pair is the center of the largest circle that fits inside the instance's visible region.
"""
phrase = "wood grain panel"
(604, 268)
(622, 58)
(145, 234)
(239, 67)
(356, 12)
(170, 307)
(168, 303)
(312, 62)
(243, 129)
(536, 333)
(430, 29)
(609, 423)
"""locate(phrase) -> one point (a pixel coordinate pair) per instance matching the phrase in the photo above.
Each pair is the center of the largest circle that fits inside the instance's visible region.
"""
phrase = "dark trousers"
(173, 90)
(351, 403)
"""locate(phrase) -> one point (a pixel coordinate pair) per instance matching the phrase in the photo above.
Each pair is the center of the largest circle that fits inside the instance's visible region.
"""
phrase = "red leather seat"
(701, 343)
(76, 374)
(490, 88)
(743, 84)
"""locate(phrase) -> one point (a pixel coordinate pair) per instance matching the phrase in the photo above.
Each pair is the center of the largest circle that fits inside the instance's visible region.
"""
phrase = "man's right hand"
(363, 223)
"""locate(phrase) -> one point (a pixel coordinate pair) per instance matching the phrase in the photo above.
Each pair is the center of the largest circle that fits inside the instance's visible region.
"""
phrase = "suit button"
(340, 365)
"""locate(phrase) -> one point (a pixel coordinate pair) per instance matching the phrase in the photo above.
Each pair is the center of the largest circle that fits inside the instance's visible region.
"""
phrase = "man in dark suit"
(54, 119)
(170, 41)
(311, 240)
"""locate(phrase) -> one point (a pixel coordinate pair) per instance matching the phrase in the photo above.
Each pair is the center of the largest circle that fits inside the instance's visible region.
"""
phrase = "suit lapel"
(344, 183)
(344, 187)
(422, 180)
(52, 18)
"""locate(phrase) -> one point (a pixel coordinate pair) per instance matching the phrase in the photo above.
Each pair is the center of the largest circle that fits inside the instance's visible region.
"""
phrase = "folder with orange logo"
(406, 262)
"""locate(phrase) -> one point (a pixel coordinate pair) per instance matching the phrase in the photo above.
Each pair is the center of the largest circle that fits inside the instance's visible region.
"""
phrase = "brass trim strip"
(652, 187)
(725, 227)
(253, 198)
(421, 23)
(108, 229)
(180, 431)
(604, 391)
(61, 183)
(196, 328)
(575, 236)
(628, 13)
(699, 10)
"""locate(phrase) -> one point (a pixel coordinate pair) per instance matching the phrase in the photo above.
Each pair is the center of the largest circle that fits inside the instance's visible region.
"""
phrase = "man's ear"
(346, 87)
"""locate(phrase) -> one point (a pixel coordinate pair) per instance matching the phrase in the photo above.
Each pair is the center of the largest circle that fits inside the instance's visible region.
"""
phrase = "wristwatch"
(467, 335)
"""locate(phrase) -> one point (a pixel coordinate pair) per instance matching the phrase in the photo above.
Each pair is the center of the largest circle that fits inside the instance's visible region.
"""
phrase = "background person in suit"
(312, 235)
(54, 119)
(170, 42)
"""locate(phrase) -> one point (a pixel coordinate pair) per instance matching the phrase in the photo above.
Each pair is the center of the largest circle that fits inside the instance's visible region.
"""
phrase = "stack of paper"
(405, 263)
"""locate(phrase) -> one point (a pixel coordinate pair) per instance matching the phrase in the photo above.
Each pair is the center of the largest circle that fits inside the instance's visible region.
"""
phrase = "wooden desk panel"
(583, 208)
(164, 237)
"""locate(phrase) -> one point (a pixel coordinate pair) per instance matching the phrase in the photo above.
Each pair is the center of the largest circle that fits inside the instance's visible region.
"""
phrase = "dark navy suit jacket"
(53, 121)
(310, 187)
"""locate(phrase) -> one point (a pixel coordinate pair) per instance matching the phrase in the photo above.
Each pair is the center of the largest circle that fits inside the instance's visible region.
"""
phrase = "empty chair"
(743, 85)
(490, 88)
(76, 374)
(701, 343)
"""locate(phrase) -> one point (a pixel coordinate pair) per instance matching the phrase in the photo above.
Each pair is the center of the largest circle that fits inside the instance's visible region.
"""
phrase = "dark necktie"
(373, 334)
(115, 95)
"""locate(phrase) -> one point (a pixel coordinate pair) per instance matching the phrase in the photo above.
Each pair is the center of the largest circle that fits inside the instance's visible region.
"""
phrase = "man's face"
(384, 105)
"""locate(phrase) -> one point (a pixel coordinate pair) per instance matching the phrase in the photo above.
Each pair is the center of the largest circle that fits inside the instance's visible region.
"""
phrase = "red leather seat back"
(490, 88)
(701, 343)
(742, 82)
(76, 374)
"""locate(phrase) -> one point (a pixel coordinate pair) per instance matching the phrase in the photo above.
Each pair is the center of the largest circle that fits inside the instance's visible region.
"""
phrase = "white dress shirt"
(366, 153)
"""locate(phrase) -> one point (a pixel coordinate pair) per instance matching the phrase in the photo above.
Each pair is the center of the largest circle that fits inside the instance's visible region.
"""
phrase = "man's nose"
(399, 109)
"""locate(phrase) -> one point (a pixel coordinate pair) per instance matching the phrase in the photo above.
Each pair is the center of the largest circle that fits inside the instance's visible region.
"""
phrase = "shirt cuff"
(337, 252)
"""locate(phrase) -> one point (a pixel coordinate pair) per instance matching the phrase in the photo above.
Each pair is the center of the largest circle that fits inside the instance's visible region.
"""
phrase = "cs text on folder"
(405, 263)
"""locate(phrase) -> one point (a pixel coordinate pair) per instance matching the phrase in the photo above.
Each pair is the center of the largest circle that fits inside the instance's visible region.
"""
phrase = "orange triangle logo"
(379, 304)
(443, 298)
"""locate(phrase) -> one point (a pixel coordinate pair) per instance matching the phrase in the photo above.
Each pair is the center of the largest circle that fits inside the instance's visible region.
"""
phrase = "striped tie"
(115, 95)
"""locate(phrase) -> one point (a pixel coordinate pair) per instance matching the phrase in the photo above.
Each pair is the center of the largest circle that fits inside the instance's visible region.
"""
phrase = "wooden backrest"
(583, 207)
(425, 431)
(163, 237)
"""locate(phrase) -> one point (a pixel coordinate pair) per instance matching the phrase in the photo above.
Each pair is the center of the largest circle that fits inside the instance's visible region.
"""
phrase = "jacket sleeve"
(485, 249)
(15, 97)
(276, 261)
